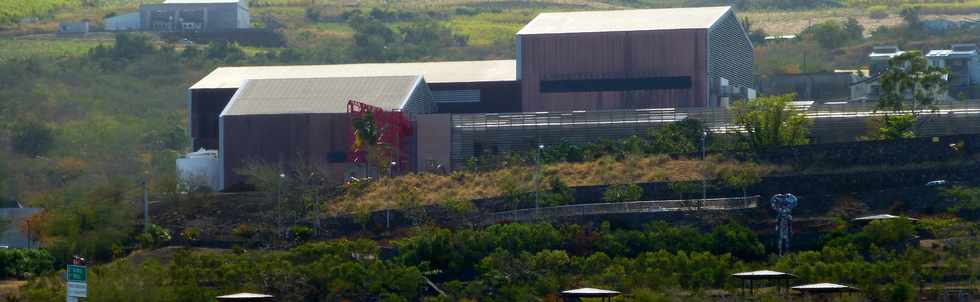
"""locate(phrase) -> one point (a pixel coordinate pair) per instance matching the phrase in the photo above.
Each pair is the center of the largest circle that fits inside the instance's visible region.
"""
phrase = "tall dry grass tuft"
(433, 189)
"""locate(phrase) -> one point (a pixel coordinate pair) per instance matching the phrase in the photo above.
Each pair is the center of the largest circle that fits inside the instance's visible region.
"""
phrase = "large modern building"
(459, 87)
(189, 15)
(579, 63)
(596, 60)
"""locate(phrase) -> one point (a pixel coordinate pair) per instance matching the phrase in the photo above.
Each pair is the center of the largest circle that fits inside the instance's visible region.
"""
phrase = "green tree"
(910, 78)
(622, 193)
(896, 126)
(910, 15)
(854, 28)
(741, 177)
(829, 34)
(32, 138)
(771, 121)
(907, 79)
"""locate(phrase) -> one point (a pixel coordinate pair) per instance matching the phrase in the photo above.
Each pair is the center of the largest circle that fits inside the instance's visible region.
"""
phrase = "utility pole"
(146, 207)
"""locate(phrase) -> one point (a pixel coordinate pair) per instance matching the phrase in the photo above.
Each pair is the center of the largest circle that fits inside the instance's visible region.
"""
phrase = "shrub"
(32, 138)
(155, 236)
(190, 233)
(24, 263)
(622, 193)
(244, 231)
(301, 233)
(878, 12)
(558, 193)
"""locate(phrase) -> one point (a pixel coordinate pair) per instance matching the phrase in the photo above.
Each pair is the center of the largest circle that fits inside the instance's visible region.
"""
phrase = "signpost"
(77, 276)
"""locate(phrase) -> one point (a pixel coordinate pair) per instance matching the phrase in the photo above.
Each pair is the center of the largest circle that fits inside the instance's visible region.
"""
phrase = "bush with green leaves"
(963, 201)
(622, 193)
(32, 138)
(301, 233)
(25, 263)
(154, 237)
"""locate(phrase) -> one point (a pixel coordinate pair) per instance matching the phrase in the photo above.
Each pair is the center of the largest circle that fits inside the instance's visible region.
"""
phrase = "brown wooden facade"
(613, 55)
(320, 139)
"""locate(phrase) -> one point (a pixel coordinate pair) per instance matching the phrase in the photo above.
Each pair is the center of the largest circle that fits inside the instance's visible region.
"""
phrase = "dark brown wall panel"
(494, 97)
(282, 139)
(667, 53)
(205, 107)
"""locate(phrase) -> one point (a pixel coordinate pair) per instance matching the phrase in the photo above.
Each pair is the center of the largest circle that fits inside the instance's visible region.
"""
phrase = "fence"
(497, 133)
(655, 206)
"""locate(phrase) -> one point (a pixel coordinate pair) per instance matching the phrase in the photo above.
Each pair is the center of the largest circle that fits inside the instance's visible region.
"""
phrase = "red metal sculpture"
(372, 126)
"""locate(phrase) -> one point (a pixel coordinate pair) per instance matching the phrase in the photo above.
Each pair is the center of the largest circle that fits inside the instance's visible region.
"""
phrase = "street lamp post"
(282, 177)
(146, 207)
(537, 176)
(704, 168)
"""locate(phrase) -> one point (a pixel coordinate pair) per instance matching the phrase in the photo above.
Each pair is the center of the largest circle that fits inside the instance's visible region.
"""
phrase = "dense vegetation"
(521, 262)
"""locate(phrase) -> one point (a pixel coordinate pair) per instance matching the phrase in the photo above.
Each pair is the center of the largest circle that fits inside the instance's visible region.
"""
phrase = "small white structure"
(73, 28)
(245, 297)
(882, 217)
(588, 292)
(824, 288)
(961, 60)
(199, 170)
(125, 22)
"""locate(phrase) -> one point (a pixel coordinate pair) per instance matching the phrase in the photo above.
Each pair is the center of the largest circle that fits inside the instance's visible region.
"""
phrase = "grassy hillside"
(13, 10)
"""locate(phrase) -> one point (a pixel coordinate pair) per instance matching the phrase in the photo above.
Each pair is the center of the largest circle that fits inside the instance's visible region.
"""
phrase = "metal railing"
(473, 134)
(654, 206)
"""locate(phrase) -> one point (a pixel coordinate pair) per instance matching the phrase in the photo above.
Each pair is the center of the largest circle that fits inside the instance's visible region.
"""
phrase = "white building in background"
(125, 22)
(199, 170)
(12, 236)
(962, 62)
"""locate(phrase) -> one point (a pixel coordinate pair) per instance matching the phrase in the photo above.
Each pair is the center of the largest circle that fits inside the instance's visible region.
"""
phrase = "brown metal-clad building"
(631, 59)
(458, 87)
(282, 121)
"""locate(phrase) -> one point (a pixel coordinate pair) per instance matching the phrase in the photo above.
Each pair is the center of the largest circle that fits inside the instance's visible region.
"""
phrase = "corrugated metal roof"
(198, 1)
(625, 20)
(434, 72)
(319, 95)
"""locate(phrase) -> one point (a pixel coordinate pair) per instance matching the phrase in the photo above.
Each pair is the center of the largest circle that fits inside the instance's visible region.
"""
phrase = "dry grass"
(432, 188)
(793, 22)
(11, 288)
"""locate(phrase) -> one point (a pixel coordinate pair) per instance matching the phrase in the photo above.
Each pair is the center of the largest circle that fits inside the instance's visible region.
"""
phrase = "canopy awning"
(882, 217)
(245, 297)
(824, 288)
(763, 274)
(588, 292)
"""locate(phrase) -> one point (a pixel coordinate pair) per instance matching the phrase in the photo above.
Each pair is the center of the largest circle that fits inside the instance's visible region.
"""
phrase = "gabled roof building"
(632, 59)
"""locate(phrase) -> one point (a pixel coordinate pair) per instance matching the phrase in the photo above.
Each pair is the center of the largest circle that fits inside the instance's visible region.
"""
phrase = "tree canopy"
(771, 121)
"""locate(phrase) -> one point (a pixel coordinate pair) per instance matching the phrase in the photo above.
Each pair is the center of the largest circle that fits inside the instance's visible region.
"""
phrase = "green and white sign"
(77, 276)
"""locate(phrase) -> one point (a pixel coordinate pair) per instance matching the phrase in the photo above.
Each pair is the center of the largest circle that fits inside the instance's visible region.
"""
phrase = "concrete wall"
(434, 142)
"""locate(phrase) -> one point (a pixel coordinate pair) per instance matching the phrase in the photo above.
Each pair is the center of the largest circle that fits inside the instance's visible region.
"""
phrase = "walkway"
(653, 206)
